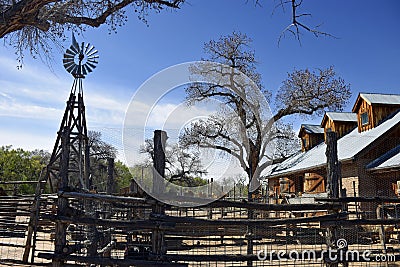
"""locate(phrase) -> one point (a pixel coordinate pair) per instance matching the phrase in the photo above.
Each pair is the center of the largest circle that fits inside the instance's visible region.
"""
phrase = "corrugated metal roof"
(381, 98)
(390, 163)
(311, 128)
(391, 159)
(348, 146)
(342, 116)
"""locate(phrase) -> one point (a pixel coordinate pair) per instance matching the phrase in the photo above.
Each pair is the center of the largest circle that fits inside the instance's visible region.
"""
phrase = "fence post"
(333, 171)
(109, 190)
(160, 138)
(62, 202)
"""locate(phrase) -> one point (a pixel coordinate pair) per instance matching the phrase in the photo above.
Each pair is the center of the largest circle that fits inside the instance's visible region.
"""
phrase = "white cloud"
(12, 108)
(26, 140)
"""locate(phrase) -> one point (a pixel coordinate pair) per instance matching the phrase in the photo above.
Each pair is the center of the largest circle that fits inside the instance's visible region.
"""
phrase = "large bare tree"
(245, 127)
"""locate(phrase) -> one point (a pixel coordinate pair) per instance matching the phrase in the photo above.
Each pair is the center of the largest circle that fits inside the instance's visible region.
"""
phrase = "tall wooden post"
(333, 170)
(62, 202)
(250, 216)
(160, 138)
(110, 176)
(109, 190)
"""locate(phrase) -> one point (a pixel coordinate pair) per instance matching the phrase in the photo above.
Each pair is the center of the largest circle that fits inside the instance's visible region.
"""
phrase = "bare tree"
(246, 129)
(182, 165)
(100, 149)
(99, 152)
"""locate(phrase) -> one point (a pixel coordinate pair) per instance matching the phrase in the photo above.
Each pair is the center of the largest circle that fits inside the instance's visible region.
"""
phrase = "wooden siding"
(381, 112)
(376, 114)
(309, 141)
(340, 127)
(364, 108)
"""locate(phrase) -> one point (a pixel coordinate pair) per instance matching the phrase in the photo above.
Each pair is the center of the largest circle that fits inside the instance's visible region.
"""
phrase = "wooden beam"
(109, 261)
(106, 198)
(360, 222)
(131, 224)
(271, 207)
(246, 222)
(360, 199)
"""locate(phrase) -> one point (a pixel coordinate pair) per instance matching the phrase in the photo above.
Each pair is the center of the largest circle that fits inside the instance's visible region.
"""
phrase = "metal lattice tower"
(69, 160)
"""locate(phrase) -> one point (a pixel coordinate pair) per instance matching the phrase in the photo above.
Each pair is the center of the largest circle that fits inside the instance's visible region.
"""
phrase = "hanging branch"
(295, 27)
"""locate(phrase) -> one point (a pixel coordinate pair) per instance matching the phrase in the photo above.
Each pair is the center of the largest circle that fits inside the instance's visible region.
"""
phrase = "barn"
(368, 149)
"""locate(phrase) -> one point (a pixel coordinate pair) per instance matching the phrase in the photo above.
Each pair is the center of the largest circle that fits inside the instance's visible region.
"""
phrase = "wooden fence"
(113, 230)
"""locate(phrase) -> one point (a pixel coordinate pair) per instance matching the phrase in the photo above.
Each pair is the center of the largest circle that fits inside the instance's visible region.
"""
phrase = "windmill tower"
(69, 164)
(73, 165)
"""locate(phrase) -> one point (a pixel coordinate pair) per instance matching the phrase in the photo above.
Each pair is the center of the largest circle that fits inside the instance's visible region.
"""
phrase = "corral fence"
(105, 230)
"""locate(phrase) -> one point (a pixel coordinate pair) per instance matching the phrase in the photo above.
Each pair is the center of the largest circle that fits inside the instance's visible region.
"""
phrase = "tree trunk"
(333, 170)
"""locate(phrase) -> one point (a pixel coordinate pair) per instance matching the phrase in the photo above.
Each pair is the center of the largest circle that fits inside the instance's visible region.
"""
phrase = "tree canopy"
(20, 165)
(35, 25)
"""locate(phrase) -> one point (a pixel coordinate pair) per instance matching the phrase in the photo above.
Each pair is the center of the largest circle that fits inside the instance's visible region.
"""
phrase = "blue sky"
(366, 54)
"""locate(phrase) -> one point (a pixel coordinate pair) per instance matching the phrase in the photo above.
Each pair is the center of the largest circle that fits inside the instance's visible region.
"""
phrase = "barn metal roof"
(342, 116)
(312, 128)
(348, 147)
(381, 98)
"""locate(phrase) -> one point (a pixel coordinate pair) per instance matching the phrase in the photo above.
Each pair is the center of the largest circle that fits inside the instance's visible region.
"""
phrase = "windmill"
(79, 60)
(69, 164)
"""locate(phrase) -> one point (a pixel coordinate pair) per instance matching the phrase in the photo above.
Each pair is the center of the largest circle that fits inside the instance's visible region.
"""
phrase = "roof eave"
(384, 169)
(316, 167)
(356, 104)
(324, 119)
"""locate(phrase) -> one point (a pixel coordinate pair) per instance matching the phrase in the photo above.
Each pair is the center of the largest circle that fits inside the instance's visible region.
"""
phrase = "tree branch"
(296, 25)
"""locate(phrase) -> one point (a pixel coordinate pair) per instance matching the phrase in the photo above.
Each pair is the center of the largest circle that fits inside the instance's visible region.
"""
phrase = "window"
(364, 118)
(304, 142)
